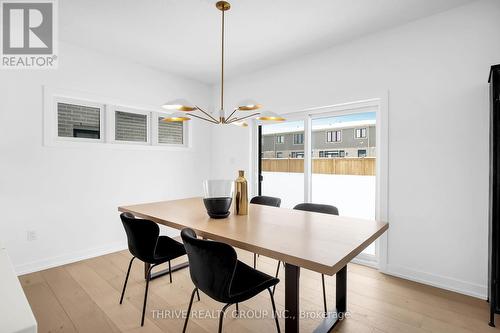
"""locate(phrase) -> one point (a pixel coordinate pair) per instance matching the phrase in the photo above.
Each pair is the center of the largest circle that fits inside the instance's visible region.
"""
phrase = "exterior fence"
(336, 166)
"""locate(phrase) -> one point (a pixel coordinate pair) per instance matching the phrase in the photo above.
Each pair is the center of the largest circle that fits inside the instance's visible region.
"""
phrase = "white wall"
(435, 70)
(69, 196)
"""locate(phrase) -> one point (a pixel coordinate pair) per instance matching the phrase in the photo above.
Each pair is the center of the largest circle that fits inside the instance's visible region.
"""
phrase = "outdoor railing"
(336, 166)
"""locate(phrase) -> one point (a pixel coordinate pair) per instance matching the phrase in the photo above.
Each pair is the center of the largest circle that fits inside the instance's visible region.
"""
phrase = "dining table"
(302, 240)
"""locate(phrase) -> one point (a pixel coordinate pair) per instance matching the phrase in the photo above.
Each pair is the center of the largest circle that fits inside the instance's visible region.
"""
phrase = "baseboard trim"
(365, 262)
(447, 283)
(39, 265)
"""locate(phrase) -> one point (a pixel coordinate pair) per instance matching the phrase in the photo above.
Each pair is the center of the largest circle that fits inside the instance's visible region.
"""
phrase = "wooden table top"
(319, 242)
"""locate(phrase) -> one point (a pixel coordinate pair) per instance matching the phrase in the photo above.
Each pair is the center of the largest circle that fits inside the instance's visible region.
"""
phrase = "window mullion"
(307, 158)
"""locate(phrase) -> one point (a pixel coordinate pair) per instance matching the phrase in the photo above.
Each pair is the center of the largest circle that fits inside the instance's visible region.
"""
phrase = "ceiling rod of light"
(223, 6)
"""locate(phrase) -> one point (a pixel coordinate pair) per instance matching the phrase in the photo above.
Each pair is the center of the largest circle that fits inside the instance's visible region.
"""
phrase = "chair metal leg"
(170, 271)
(324, 293)
(198, 294)
(277, 272)
(195, 290)
(237, 310)
(126, 279)
(221, 316)
(275, 315)
(148, 278)
(254, 261)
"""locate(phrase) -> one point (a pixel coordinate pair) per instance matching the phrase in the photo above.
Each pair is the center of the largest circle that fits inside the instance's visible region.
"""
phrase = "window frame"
(155, 132)
(378, 105)
(293, 138)
(80, 102)
(280, 142)
(361, 132)
(107, 106)
(334, 131)
(326, 153)
(297, 154)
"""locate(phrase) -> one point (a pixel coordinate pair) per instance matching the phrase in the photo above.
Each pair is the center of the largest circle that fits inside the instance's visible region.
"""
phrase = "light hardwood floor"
(84, 296)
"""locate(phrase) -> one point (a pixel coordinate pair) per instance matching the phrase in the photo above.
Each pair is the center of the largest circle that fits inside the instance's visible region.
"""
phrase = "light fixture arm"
(206, 113)
(206, 119)
(242, 118)
(228, 118)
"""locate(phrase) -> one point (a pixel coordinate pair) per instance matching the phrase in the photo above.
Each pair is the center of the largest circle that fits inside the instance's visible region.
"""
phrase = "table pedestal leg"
(333, 318)
(292, 277)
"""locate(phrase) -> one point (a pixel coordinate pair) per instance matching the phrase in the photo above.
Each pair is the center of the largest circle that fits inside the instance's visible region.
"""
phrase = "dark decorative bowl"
(218, 208)
(218, 197)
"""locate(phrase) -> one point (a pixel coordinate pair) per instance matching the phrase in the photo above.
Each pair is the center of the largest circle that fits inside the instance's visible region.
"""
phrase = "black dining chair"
(266, 201)
(216, 271)
(146, 244)
(316, 208)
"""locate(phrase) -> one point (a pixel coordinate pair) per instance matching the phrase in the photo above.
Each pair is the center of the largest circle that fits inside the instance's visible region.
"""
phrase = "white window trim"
(282, 136)
(50, 126)
(55, 125)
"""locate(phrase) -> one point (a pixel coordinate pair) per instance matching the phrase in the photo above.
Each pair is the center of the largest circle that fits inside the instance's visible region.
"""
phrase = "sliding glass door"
(338, 168)
(343, 164)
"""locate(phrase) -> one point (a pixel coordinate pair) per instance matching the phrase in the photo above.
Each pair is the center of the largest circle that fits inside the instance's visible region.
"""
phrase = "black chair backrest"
(211, 264)
(317, 208)
(267, 201)
(142, 236)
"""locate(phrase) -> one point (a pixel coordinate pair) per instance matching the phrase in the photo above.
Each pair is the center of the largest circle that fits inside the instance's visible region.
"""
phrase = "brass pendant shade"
(176, 117)
(179, 105)
(184, 107)
(270, 116)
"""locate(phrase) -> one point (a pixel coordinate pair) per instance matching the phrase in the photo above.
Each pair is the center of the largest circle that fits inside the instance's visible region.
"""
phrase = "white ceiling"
(183, 36)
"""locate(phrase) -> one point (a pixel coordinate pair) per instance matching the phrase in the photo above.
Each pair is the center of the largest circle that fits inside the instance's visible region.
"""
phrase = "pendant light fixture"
(185, 110)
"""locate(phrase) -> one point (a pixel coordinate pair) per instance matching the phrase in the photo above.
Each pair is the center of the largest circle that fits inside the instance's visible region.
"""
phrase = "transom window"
(170, 133)
(132, 127)
(85, 121)
(78, 121)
